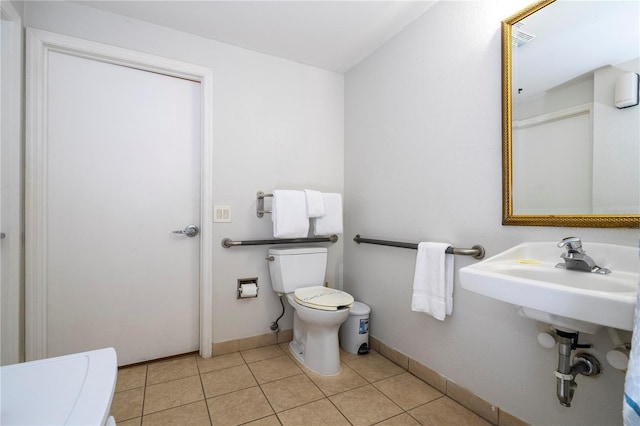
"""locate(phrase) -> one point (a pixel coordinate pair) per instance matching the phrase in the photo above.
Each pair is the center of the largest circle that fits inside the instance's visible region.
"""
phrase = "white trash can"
(354, 332)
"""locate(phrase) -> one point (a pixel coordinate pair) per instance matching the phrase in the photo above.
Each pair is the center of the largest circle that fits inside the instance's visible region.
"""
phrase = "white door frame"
(39, 44)
(11, 347)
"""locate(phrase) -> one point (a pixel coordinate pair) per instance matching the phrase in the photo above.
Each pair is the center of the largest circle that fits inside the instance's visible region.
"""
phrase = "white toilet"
(299, 274)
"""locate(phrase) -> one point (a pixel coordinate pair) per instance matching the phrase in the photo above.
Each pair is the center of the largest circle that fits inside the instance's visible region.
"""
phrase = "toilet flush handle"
(270, 258)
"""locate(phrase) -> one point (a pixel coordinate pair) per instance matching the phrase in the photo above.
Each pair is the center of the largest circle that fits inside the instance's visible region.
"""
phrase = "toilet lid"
(324, 298)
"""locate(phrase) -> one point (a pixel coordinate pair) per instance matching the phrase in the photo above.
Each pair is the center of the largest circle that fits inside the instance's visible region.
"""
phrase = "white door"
(122, 173)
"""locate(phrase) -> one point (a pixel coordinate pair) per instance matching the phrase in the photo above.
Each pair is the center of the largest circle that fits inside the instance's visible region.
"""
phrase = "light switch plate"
(222, 213)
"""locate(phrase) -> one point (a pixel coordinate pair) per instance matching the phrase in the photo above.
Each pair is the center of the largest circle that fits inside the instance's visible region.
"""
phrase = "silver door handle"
(189, 231)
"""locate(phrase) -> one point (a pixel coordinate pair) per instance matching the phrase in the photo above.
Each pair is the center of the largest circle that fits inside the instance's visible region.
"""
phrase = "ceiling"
(572, 40)
(333, 35)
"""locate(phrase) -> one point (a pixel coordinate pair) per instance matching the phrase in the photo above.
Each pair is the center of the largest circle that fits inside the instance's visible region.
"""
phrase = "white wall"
(277, 124)
(616, 133)
(423, 162)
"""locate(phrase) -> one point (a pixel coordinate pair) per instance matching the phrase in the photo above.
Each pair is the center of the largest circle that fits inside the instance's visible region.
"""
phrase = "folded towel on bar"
(315, 203)
(331, 221)
(433, 280)
(631, 405)
(289, 214)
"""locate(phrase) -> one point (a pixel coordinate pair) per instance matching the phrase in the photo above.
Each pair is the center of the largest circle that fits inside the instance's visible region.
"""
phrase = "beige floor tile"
(348, 356)
(374, 367)
(127, 404)
(172, 369)
(318, 413)
(239, 407)
(172, 394)
(131, 377)
(402, 420)
(272, 369)
(407, 391)
(365, 405)
(228, 380)
(265, 421)
(251, 386)
(446, 412)
(291, 392)
(258, 354)
(219, 362)
(195, 414)
(131, 422)
(285, 347)
(331, 385)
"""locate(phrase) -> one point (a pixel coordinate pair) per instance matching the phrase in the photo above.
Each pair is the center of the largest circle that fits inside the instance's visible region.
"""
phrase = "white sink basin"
(526, 277)
(67, 390)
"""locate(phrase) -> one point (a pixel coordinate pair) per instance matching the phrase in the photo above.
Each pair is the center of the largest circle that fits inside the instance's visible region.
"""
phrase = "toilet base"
(327, 367)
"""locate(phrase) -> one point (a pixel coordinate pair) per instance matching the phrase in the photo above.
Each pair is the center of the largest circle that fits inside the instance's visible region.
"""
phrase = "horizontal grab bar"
(476, 251)
(228, 242)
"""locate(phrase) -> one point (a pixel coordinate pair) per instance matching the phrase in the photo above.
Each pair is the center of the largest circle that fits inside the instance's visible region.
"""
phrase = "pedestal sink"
(527, 277)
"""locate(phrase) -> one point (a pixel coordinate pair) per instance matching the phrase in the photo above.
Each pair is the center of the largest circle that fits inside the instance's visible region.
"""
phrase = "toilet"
(298, 274)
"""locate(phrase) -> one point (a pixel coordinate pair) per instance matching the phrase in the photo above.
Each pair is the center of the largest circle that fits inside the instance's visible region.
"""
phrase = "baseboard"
(252, 342)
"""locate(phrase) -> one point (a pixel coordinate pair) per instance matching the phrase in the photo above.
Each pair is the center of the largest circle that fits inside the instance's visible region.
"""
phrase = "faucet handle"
(573, 244)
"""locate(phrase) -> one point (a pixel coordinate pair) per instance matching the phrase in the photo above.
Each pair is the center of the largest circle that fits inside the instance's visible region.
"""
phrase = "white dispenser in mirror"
(626, 94)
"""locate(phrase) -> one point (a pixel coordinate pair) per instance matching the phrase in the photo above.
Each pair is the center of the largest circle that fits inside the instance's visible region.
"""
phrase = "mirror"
(569, 156)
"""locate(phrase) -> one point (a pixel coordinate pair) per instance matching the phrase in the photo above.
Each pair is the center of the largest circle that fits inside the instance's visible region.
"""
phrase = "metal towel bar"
(228, 242)
(260, 211)
(476, 251)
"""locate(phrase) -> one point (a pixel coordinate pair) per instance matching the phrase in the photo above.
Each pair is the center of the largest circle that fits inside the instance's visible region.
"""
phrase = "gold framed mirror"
(559, 173)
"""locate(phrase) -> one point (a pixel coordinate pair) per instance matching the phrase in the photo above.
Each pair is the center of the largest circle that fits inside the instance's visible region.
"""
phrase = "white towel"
(289, 214)
(315, 203)
(331, 222)
(433, 281)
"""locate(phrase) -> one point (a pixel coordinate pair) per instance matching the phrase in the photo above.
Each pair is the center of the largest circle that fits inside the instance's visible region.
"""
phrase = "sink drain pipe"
(584, 363)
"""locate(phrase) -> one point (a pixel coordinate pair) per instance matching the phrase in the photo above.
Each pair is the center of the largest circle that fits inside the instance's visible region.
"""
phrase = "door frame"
(39, 44)
(11, 276)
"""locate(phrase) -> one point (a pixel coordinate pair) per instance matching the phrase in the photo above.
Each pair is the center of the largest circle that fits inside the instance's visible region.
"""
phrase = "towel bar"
(476, 251)
(228, 242)
(260, 211)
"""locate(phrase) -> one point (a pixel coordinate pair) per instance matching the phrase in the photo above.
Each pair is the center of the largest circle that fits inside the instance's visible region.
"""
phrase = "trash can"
(354, 332)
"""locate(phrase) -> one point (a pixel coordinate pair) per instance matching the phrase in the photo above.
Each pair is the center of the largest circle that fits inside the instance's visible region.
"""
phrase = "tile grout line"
(261, 390)
(309, 377)
(204, 394)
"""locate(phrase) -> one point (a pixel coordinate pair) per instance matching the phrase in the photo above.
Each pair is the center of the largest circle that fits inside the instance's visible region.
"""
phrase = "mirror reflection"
(573, 151)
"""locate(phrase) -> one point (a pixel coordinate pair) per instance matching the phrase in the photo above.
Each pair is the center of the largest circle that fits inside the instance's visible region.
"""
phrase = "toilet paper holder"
(247, 288)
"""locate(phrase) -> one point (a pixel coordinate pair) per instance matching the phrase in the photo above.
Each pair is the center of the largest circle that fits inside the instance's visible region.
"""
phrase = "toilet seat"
(323, 298)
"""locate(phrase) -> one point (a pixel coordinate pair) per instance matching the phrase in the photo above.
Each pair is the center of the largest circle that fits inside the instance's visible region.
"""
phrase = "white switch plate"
(222, 213)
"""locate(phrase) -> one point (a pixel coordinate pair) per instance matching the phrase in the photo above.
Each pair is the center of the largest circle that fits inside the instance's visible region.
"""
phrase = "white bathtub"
(73, 389)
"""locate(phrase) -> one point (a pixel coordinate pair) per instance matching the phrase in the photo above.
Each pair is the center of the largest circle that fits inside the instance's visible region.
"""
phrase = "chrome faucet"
(576, 259)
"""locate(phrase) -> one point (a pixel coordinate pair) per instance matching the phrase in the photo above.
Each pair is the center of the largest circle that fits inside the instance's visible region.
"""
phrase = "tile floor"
(265, 386)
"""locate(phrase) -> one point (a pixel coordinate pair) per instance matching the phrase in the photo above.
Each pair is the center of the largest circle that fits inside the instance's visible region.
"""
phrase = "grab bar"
(228, 242)
(476, 251)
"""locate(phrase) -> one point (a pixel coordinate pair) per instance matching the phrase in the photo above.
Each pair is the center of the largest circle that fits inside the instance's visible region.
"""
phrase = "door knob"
(189, 231)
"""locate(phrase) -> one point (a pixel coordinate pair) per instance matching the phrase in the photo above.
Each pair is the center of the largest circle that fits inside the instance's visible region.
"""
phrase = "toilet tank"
(292, 268)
